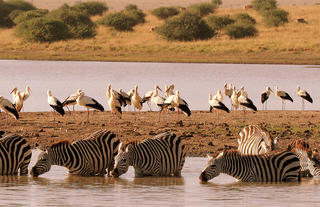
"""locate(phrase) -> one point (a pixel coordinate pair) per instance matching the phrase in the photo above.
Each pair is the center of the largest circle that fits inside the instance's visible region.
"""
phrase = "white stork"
(264, 97)
(175, 101)
(114, 104)
(228, 91)
(89, 103)
(284, 96)
(218, 96)
(234, 98)
(136, 100)
(116, 95)
(168, 91)
(216, 104)
(8, 108)
(71, 100)
(158, 101)
(147, 97)
(26, 94)
(246, 103)
(17, 99)
(55, 104)
(304, 95)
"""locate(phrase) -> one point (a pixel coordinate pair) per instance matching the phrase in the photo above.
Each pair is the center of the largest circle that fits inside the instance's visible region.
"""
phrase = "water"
(57, 188)
(195, 81)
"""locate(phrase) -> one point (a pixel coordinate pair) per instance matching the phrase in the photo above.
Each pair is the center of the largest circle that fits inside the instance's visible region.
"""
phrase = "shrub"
(14, 14)
(185, 27)
(6, 7)
(245, 18)
(262, 5)
(240, 30)
(219, 22)
(202, 9)
(275, 17)
(165, 12)
(30, 15)
(79, 23)
(217, 3)
(135, 13)
(42, 30)
(119, 21)
(91, 8)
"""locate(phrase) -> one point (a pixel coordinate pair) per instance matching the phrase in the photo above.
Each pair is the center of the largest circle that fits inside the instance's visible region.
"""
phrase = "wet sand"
(203, 132)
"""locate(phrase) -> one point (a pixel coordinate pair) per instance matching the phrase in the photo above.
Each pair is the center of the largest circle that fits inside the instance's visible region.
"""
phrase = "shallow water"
(57, 188)
(195, 81)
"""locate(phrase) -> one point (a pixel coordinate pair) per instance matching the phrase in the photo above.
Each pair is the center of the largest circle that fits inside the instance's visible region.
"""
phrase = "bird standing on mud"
(304, 95)
(265, 96)
(284, 96)
(55, 104)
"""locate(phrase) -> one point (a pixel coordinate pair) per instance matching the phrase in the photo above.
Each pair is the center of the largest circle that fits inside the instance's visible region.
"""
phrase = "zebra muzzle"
(202, 177)
(115, 173)
(34, 172)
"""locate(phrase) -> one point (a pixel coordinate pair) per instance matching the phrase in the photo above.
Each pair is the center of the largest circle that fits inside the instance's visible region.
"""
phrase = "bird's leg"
(149, 105)
(302, 104)
(160, 114)
(178, 114)
(73, 108)
(88, 116)
(69, 110)
(6, 120)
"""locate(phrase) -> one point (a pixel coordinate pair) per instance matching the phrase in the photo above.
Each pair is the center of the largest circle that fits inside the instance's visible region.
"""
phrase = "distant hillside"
(151, 4)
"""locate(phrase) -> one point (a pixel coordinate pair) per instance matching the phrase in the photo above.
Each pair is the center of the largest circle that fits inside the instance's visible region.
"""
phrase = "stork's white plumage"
(169, 90)
(17, 99)
(72, 99)
(234, 98)
(175, 101)
(116, 95)
(55, 104)
(228, 91)
(284, 96)
(158, 101)
(265, 96)
(8, 108)
(147, 97)
(26, 94)
(114, 104)
(304, 95)
(218, 96)
(89, 103)
(216, 104)
(136, 100)
(126, 97)
(246, 102)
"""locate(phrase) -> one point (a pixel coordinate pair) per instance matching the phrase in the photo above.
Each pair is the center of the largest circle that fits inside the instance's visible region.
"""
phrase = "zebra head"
(212, 169)
(121, 165)
(42, 165)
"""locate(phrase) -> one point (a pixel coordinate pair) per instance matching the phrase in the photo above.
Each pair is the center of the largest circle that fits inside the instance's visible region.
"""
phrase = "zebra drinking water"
(88, 157)
(15, 155)
(275, 167)
(163, 155)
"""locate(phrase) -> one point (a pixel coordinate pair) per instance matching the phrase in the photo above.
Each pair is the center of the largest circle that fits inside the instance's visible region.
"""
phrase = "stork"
(216, 104)
(234, 98)
(228, 91)
(175, 101)
(26, 94)
(246, 103)
(8, 108)
(136, 100)
(116, 95)
(71, 100)
(114, 104)
(169, 90)
(147, 97)
(265, 96)
(284, 96)
(89, 103)
(17, 99)
(218, 96)
(55, 104)
(304, 95)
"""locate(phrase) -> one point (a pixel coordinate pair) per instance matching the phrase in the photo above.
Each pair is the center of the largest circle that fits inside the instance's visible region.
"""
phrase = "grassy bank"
(292, 44)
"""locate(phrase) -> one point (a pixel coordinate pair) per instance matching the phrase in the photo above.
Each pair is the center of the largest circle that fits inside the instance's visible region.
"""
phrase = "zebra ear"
(120, 146)
(209, 156)
(129, 147)
(275, 140)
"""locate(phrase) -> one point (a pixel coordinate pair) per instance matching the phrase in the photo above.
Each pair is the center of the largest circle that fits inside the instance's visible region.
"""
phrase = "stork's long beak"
(159, 88)
(13, 90)
(271, 90)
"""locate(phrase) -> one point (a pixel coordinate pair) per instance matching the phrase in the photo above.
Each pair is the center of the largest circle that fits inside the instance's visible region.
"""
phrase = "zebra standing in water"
(253, 140)
(304, 153)
(275, 167)
(163, 155)
(88, 157)
(15, 154)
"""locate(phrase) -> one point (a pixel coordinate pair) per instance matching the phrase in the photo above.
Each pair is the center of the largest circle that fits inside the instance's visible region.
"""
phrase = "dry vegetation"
(292, 44)
(204, 133)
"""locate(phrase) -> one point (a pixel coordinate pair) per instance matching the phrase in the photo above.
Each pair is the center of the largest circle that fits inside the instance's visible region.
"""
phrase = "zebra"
(88, 157)
(309, 166)
(253, 140)
(270, 167)
(163, 155)
(15, 155)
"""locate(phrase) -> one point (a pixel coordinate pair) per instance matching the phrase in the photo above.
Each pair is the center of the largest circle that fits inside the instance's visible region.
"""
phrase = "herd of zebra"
(257, 158)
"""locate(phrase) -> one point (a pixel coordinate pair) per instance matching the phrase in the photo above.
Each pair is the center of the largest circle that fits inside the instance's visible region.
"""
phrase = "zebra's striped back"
(271, 167)
(304, 153)
(15, 155)
(253, 140)
(88, 157)
(163, 155)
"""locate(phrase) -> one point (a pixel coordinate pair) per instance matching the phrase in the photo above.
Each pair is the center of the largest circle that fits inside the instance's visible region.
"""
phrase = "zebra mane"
(58, 144)
(133, 142)
(299, 144)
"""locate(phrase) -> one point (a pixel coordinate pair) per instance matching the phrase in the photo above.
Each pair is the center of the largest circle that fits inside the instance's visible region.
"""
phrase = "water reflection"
(159, 181)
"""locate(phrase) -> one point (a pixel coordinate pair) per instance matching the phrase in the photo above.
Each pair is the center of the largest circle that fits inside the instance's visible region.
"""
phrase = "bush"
(135, 13)
(14, 14)
(275, 17)
(219, 22)
(79, 23)
(185, 27)
(30, 15)
(240, 30)
(6, 7)
(245, 18)
(165, 12)
(42, 30)
(91, 8)
(119, 21)
(217, 3)
(202, 9)
(262, 5)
